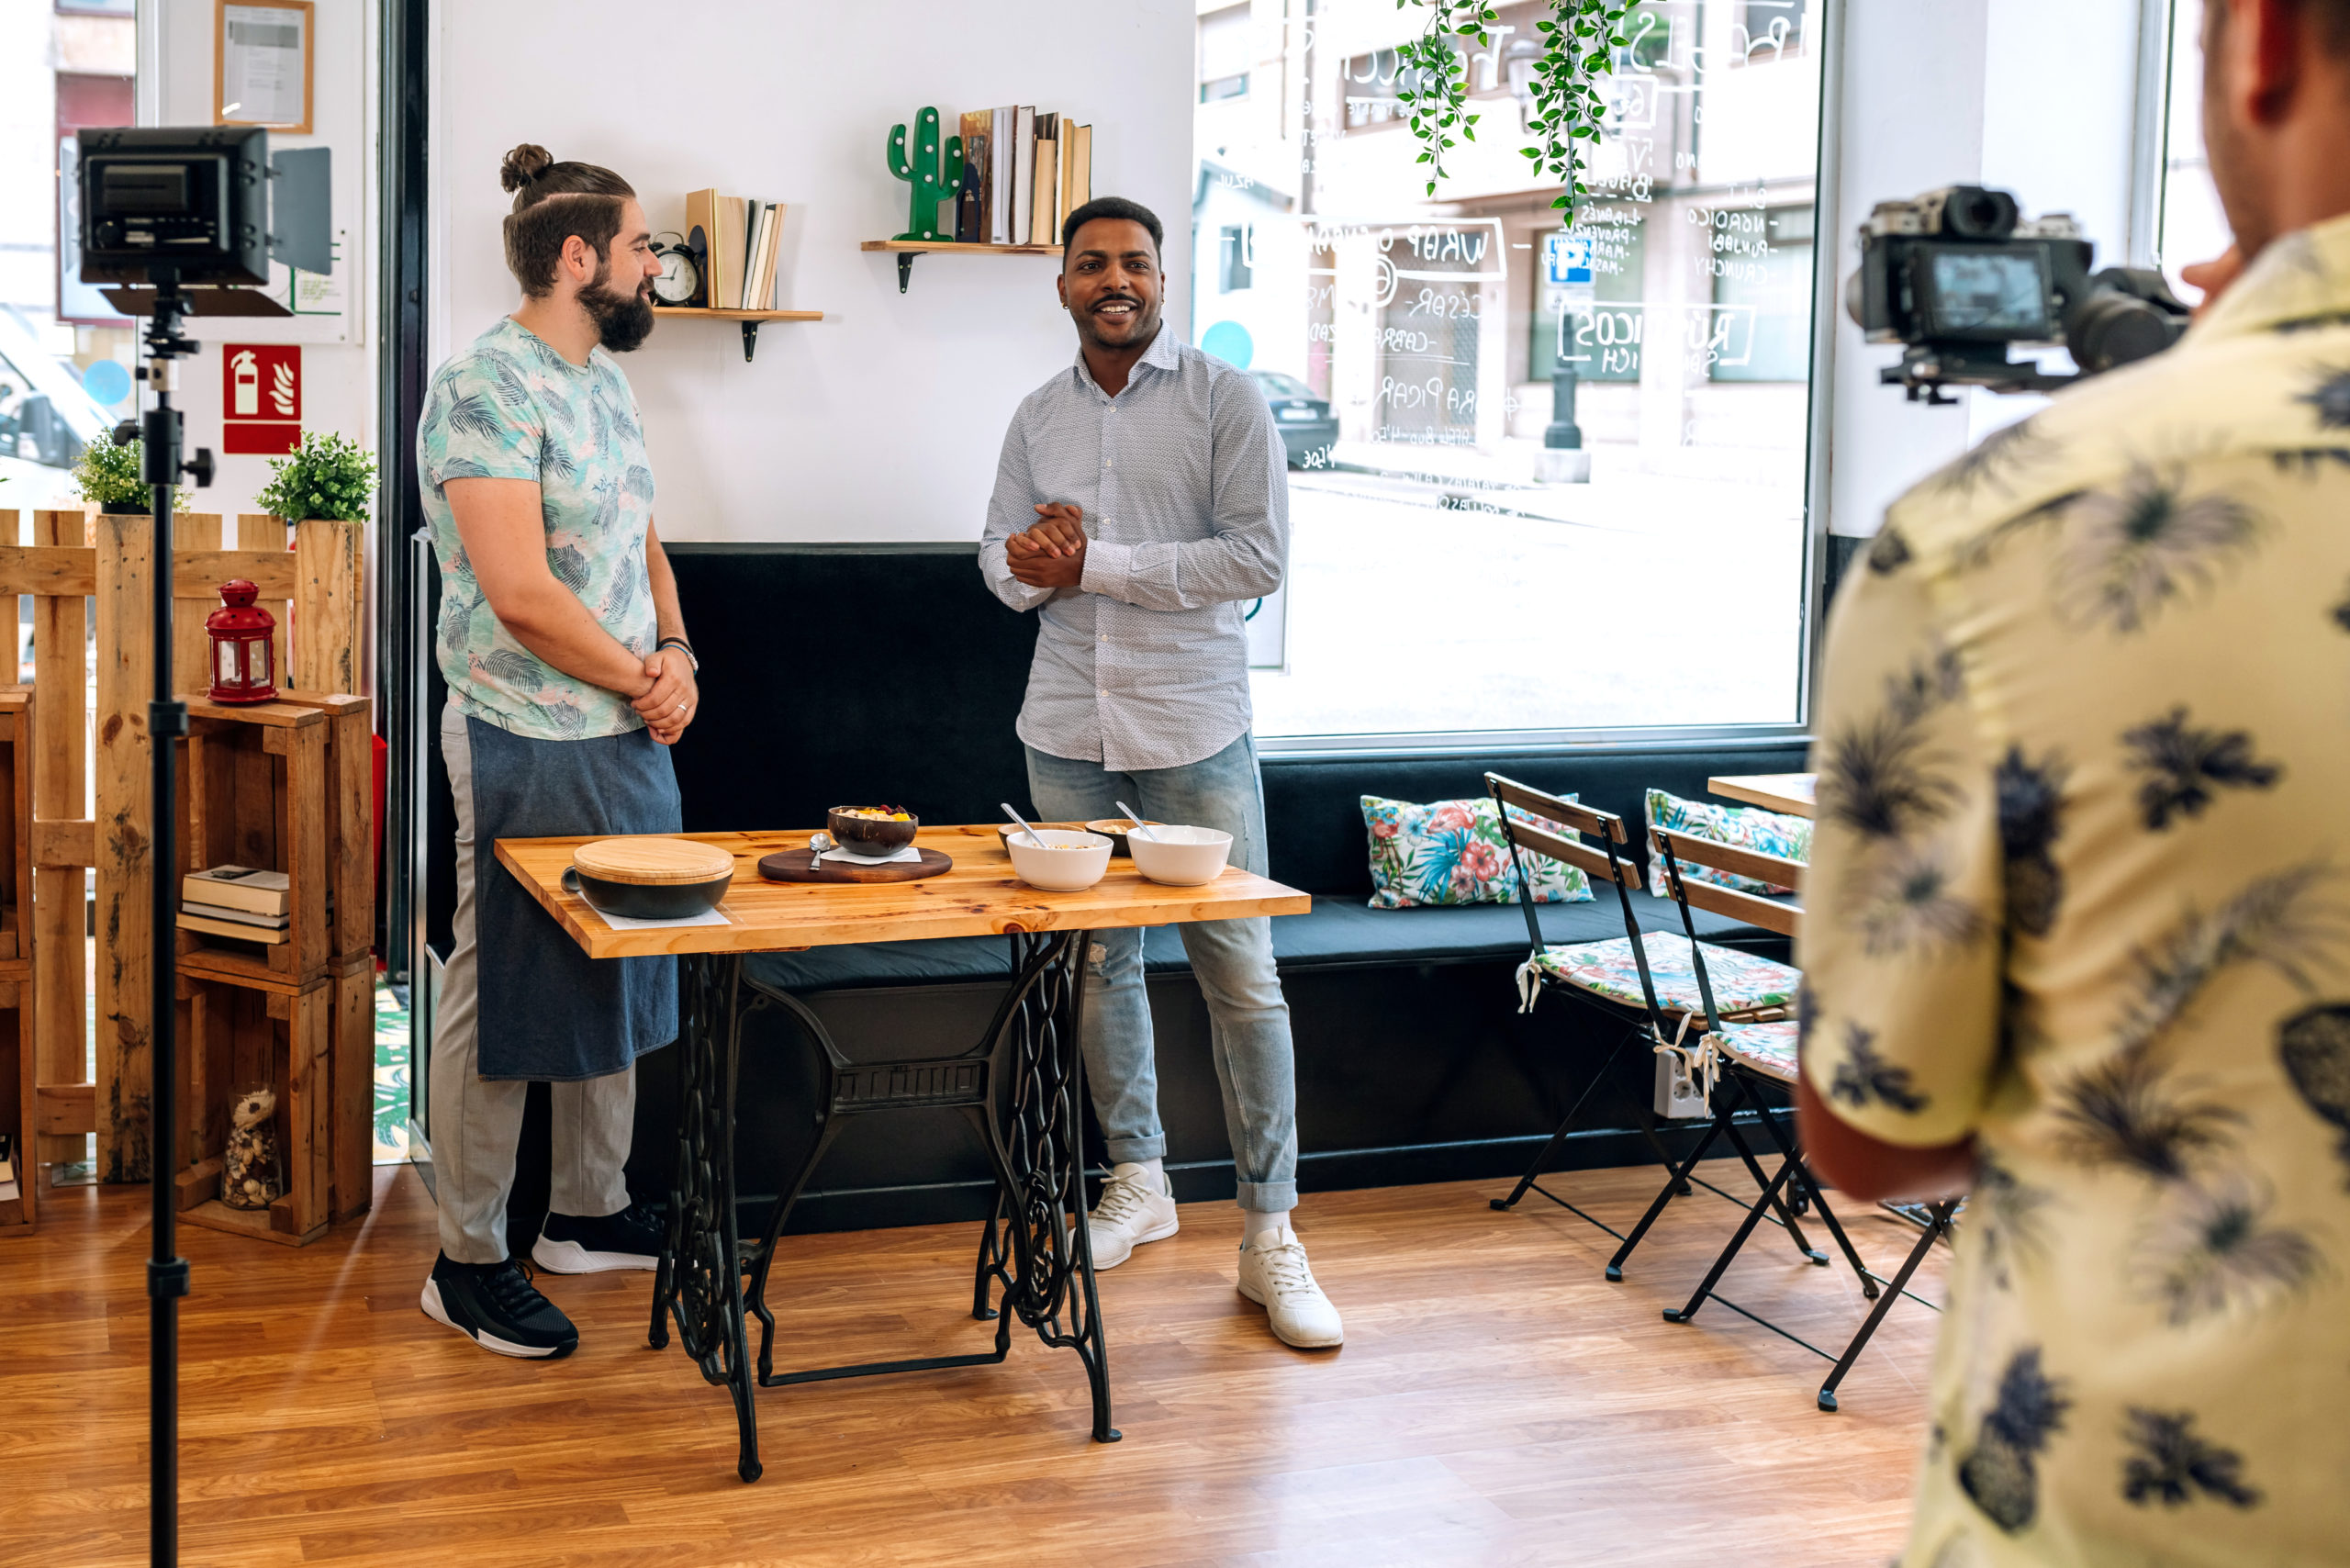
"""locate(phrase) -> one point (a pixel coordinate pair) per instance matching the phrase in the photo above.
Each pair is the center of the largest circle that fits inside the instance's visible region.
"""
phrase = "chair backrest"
(1609, 863)
(1674, 850)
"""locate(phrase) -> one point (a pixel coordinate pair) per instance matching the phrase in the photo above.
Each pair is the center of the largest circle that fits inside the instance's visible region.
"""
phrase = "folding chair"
(1634, 982)
(1756, 1058)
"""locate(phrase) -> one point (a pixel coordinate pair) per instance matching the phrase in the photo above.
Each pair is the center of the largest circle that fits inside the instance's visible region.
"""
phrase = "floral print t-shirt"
(2080, 887)
(512, 408)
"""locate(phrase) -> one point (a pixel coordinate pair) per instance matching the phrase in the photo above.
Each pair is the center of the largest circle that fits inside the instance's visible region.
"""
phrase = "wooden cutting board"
(652, 859)
(798, 865)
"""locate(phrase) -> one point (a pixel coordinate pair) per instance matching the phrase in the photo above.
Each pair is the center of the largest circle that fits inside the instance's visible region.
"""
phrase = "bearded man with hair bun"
(569, 676)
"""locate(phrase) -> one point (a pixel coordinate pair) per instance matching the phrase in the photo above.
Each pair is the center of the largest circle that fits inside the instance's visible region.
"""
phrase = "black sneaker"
(575, 1244)
(495, 1306)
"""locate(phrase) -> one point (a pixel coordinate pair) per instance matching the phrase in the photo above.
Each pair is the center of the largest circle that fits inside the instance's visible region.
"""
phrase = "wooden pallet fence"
(77, 556)
(17, 1113)
(19, 1096)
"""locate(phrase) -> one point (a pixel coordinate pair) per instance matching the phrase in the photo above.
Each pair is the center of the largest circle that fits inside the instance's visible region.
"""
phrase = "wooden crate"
(19, 1099)
(253, 791)
(350, 821)
(352, 1134)
(314, 1043)
(233, 1037)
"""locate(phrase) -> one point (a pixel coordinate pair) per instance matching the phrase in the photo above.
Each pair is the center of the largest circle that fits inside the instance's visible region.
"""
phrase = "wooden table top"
(979, 897)
(1793, 793)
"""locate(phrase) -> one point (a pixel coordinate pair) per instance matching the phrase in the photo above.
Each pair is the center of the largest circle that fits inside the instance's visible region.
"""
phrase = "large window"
(1446, 576)
(2193, 227)
(65, 354)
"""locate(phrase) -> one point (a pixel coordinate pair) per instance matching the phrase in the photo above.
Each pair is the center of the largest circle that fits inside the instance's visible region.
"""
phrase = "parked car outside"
(45, 420)
(1307, 427)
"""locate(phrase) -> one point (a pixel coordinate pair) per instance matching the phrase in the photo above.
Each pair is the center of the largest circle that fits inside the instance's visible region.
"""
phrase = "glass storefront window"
(65, 354)
(1445, 577)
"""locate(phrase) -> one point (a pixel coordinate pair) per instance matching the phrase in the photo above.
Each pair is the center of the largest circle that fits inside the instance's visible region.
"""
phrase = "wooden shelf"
(749, 319)
(907, 249)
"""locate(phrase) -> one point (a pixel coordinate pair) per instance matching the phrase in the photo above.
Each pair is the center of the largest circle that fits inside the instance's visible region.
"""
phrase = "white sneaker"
(1129, 1215)
(1275, 1275)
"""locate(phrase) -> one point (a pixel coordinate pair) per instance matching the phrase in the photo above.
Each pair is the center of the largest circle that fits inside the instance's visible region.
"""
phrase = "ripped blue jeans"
(1233, 961)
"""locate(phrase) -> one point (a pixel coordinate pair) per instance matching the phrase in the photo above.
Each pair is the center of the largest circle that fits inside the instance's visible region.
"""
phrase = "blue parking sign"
(1566, 258)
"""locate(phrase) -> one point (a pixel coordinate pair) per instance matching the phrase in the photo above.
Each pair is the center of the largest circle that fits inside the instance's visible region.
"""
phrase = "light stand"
(167, 1273)
(200, 196)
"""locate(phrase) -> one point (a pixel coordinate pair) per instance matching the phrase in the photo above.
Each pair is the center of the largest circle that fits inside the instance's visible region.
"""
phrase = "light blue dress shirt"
(1183, 482)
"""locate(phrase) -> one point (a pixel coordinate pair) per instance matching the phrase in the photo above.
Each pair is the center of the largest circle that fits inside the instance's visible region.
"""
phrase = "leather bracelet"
(682, 647)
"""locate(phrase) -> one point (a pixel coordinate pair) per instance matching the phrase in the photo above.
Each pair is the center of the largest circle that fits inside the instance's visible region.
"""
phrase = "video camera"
(1958, 274)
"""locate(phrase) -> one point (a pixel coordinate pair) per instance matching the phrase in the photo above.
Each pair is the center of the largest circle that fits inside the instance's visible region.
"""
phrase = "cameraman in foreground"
(2079, 928)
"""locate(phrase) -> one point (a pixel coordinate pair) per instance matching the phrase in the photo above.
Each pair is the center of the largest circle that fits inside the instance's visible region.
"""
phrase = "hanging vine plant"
(1579, 43)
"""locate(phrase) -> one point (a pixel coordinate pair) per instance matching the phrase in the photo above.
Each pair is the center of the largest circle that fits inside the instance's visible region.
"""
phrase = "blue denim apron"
(547, 1009)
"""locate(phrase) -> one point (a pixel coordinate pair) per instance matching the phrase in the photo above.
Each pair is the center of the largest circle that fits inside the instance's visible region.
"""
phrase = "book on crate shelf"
(1023, 173)
(239, 901)
(9, 1191)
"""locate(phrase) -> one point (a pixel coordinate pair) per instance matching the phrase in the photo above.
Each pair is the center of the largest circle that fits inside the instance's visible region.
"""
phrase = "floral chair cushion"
(1767, 1049)
(1742, 982)
(1746, 827)
(1452, 851)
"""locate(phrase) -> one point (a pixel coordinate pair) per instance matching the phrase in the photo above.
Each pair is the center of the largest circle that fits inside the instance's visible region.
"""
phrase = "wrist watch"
(682, 647)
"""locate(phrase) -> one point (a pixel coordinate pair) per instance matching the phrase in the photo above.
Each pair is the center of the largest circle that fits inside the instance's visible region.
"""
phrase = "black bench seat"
(1340, 932)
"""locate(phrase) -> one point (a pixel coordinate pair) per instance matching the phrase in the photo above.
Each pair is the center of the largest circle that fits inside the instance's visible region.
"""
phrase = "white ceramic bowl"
(1184, 856)
(1061, 861)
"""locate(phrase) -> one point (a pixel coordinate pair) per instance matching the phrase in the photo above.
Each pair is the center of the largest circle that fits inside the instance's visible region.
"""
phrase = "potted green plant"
(326, 477)
(107, 477)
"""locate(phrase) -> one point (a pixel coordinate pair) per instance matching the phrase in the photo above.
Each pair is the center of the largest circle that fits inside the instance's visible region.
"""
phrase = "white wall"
(883, 420)
(2025, 94)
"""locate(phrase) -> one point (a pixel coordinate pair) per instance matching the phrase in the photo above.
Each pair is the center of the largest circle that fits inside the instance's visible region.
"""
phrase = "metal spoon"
(820, 844)
(1134, 817)
(1015, 816)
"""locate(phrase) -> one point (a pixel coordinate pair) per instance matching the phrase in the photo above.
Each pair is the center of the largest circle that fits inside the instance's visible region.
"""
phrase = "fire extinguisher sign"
(261, 398)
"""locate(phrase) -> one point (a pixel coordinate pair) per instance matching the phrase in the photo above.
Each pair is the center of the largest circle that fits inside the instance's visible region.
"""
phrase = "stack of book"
(9, 1191)
(736, 237)
(1023, 173)
(237, 902)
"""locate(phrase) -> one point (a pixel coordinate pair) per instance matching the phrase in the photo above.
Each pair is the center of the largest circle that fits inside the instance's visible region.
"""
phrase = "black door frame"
(404, 162)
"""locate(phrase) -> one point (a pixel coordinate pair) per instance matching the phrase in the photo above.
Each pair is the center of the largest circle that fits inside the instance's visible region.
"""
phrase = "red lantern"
(244, 669)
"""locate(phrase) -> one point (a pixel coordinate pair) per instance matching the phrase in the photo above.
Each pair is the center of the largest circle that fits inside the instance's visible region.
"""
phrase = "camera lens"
(2114, 328)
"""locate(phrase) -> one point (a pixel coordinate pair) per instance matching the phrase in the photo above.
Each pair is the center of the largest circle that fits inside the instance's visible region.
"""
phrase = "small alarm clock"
(680, 280)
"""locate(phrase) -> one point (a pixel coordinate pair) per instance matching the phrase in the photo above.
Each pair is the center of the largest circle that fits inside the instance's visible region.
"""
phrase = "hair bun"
(522, 165)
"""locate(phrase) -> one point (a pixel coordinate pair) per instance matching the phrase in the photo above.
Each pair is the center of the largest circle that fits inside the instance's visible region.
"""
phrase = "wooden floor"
(1496, 1402)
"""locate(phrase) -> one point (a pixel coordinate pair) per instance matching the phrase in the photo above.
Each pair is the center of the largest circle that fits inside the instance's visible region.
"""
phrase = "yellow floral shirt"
(2080, 887)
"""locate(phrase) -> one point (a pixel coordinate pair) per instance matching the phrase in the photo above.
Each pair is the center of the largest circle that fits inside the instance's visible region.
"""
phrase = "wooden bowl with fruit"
(872, 830)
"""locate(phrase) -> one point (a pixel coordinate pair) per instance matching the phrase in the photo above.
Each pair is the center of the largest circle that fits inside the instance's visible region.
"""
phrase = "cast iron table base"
(1022, 1088)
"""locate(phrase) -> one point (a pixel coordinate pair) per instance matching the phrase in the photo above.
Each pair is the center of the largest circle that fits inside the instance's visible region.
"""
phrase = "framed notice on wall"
(260, 64)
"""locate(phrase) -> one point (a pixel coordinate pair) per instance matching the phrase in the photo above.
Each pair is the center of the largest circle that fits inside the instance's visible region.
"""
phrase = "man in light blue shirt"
(1141, 503)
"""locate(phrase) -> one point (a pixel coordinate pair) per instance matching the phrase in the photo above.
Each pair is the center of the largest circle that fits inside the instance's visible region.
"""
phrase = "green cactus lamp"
(933, 174)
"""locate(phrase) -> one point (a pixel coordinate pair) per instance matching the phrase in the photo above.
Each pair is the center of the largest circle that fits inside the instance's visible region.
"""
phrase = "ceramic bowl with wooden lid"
(650, 877)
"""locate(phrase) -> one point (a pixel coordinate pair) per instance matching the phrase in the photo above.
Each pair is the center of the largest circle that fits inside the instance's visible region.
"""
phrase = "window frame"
(1818, 418)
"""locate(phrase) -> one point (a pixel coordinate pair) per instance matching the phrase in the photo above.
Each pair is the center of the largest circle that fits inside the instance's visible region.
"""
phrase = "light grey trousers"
(478, 1122)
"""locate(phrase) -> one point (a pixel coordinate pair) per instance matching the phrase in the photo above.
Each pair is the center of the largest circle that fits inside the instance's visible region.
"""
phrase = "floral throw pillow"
(1745, 827)
(1452, 851)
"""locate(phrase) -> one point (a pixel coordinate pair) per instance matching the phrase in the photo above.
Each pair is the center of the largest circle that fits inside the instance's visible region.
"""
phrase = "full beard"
(622, 320)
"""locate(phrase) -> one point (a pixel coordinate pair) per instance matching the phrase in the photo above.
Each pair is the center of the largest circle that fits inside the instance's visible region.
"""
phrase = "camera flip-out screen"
(1994, 294)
